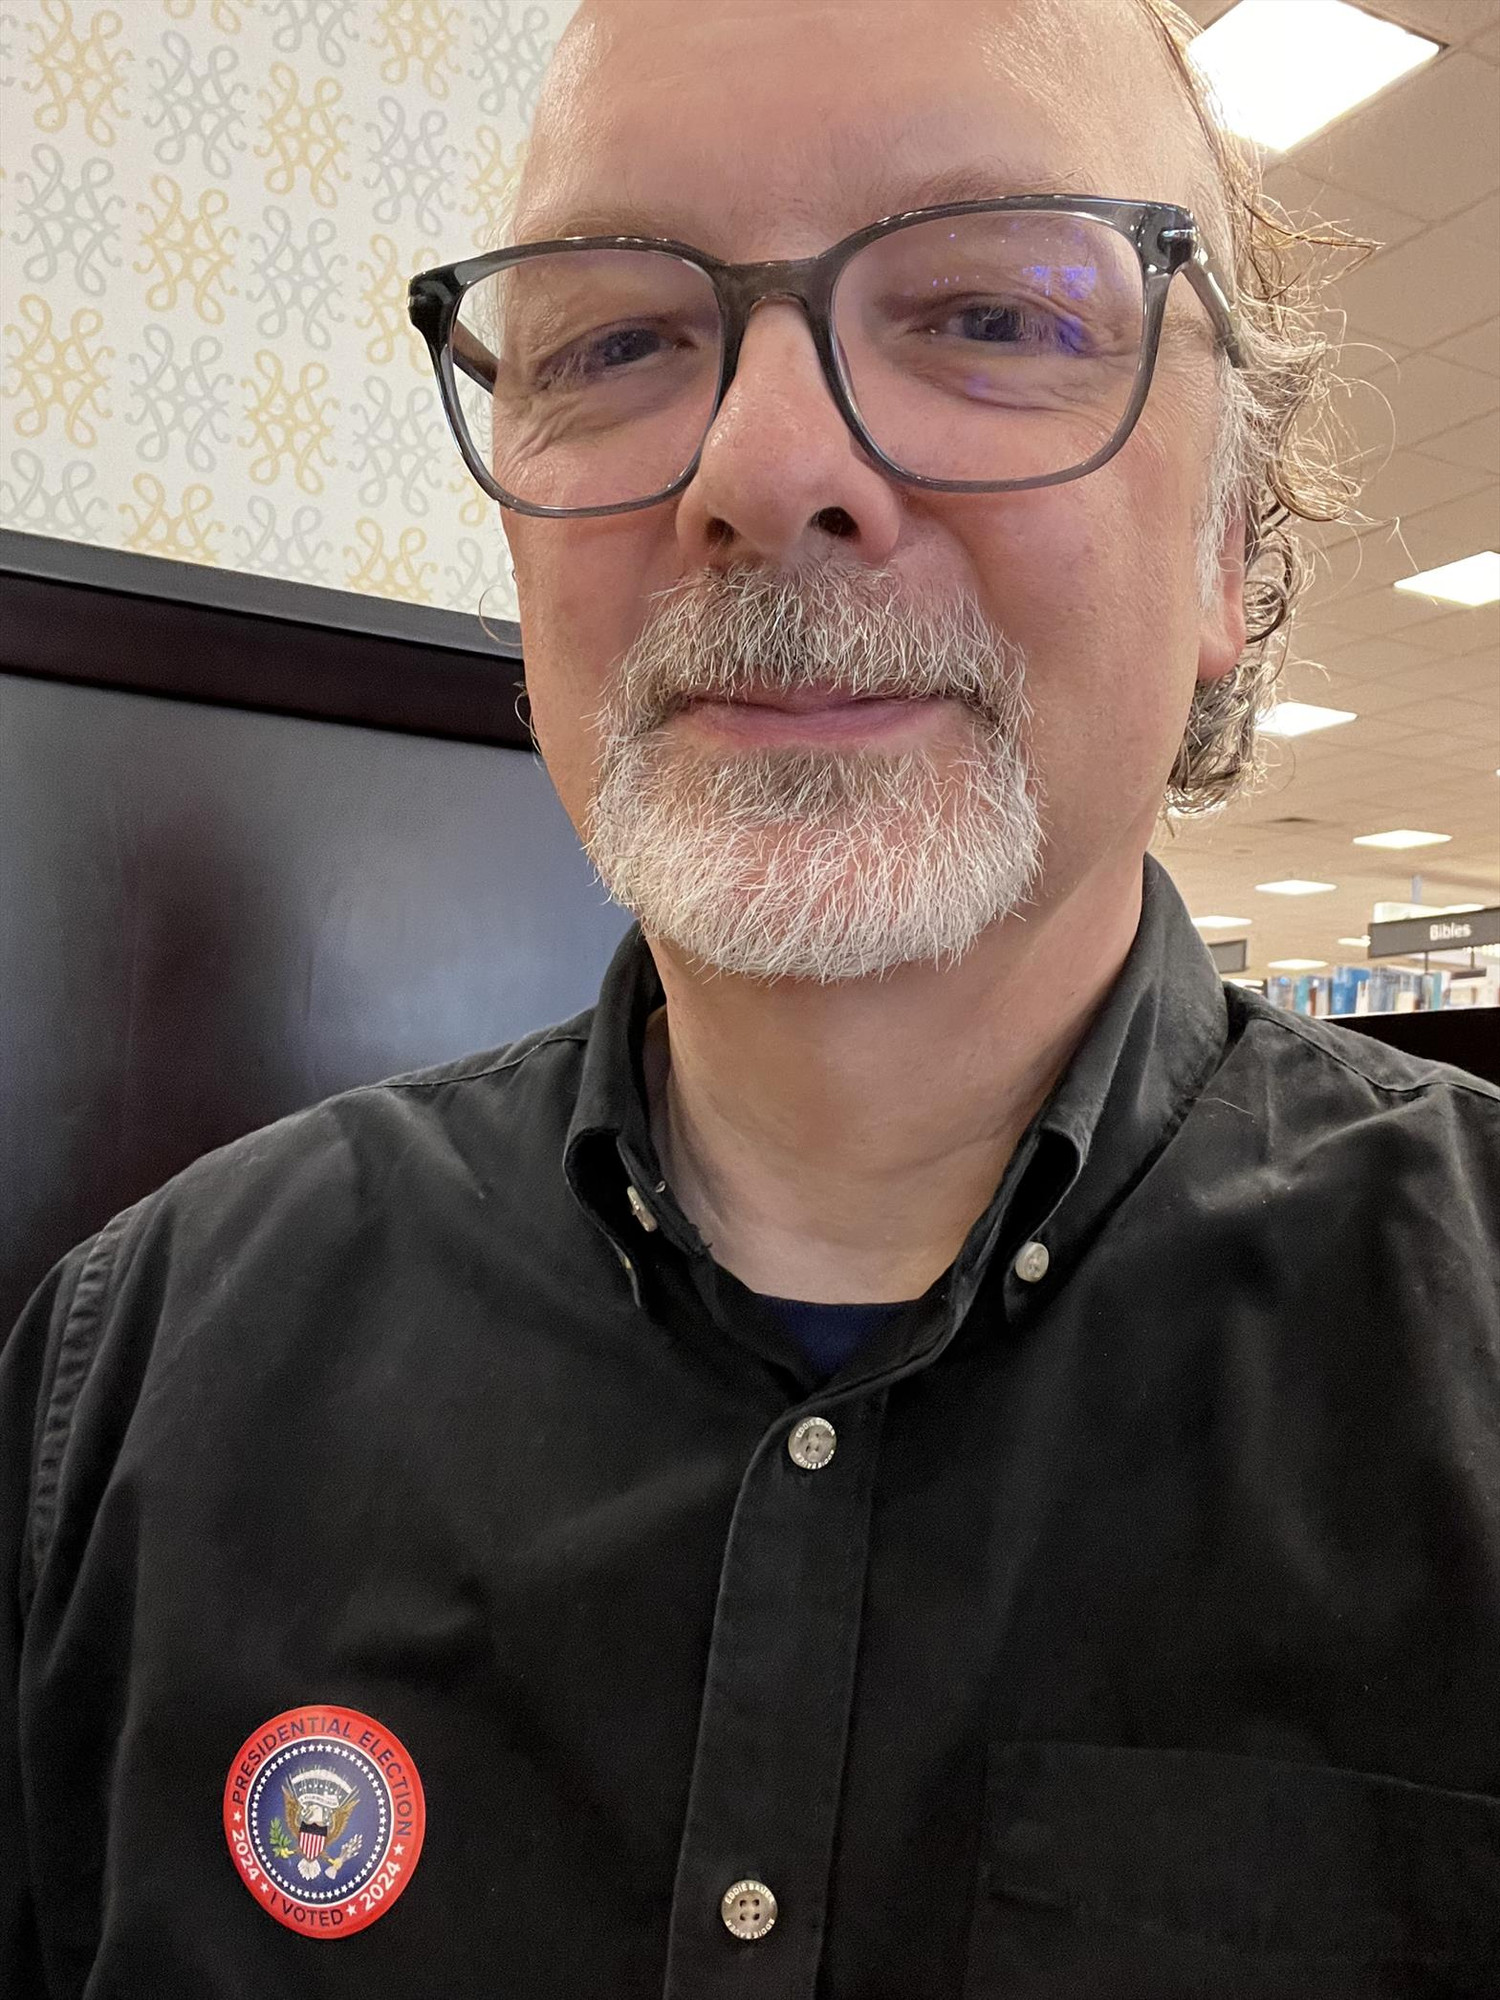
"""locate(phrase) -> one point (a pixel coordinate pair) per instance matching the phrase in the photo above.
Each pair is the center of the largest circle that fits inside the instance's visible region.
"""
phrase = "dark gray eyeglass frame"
(1165, 237)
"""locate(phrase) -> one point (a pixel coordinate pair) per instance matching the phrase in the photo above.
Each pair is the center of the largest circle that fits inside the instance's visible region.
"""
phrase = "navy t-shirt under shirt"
(829, 1335)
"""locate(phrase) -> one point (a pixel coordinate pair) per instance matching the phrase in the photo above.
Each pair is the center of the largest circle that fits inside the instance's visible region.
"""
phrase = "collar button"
(1031, 1263)
(638, 1207)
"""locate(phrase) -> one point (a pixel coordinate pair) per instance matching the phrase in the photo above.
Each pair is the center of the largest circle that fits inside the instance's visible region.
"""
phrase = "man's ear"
(1223, 629)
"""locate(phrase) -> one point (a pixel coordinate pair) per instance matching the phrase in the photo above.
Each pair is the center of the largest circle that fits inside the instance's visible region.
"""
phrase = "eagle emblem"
(317, 1804)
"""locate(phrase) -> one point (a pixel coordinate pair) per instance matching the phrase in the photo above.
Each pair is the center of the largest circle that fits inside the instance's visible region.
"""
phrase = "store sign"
(1229, 954)
(1452, 933)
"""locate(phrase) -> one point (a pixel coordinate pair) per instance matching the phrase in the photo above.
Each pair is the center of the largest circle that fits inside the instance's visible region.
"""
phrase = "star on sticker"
(237, 1819)
(399, 1848)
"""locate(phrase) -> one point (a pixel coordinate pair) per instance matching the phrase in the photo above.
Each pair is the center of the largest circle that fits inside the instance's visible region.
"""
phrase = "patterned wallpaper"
(209, 210)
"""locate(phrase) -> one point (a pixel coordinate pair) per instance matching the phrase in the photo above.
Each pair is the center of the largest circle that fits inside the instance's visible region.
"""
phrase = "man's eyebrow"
(974, 180)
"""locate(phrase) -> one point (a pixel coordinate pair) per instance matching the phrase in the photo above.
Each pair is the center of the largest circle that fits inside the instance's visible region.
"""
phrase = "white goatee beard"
(815, 863)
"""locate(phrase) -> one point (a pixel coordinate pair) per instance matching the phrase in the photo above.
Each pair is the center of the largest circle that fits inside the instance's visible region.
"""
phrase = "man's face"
(1054, 636)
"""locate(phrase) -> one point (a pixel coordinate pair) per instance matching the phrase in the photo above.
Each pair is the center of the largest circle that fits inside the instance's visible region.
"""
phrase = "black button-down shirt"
(1139, 1637)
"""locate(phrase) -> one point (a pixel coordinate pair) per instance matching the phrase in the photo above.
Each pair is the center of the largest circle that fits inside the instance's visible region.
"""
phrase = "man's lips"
(799, 701)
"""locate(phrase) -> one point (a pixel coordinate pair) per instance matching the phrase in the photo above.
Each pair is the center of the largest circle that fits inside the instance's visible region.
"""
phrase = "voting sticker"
(324, 1816)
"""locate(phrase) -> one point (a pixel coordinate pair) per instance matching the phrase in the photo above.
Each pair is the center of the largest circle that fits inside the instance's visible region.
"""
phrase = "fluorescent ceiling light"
(1283, 68)
(1300, 718)
(1401, 836)
(1364, 941)
(1474, 580)
(1292, 886)
(1297, 964)
(1221, 923)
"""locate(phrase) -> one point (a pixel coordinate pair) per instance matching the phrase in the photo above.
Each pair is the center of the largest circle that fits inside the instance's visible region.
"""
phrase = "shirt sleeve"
(28, 1362)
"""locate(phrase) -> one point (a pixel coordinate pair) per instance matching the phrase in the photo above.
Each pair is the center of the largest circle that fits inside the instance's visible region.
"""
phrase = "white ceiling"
(1417, 168)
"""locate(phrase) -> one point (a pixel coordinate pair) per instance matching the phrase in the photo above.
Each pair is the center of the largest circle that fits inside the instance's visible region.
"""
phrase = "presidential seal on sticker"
(324, 1815)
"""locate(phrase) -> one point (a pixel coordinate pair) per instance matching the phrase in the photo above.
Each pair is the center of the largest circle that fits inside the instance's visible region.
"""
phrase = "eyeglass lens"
(986, 347)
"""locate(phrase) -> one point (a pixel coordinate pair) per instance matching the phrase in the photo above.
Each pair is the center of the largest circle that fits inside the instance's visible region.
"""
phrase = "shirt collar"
(1154, 1042)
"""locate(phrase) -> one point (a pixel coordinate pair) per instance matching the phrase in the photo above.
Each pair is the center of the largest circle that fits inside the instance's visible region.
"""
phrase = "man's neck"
(839, 1142)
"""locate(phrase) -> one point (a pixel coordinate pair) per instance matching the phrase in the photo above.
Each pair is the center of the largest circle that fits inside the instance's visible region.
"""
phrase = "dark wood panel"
(112, 619)
(211, 916)
(1467, 1037)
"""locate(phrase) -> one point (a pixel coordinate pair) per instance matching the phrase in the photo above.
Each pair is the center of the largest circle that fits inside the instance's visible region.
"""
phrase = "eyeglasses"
(979, 347)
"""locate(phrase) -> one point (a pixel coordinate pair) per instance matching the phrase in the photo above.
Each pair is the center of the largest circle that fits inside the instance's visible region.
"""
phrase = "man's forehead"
(685, 117)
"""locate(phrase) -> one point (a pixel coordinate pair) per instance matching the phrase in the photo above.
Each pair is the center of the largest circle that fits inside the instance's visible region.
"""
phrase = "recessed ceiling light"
(1474, 580)
(1283, 68)
(1401, 836)
(1297, 964)
(1221, 923)
(1363, 941)
(1300, 718)
(1292, 886)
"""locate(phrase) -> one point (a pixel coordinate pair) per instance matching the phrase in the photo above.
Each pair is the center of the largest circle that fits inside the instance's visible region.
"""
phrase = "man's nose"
(780, 470)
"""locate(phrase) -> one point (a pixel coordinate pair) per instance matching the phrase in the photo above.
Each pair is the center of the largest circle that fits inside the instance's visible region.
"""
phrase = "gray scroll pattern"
(401, 448)
(471, 570)
(299, 551)
(71, 220)
(294, 278)
(511, 56)
(68, 508)
(327, 24)
(192, 104)
(411, 163)
(183, 402)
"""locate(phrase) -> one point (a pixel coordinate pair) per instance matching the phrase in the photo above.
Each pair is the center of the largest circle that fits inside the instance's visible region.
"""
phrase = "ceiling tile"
(1409, 483)
(1478, 757)
(1425, 290)
(1357, 660)
(1384, 614)
(1476, 443)
(1444, 534)
(1426, 146)
(1392, 403)
(1377, 732)
(1444, 712)
(1372, 697)
(1360, 563)
(1473, 679)
(1478, 347)
(1481, 223)
(1309, 200)
(1445, 20)
(1476, 631)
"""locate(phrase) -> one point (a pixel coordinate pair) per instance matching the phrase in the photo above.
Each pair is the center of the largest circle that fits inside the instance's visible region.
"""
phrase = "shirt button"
(812, 1443)
(748, 1909)
(1031, 1262)
(638, 1207)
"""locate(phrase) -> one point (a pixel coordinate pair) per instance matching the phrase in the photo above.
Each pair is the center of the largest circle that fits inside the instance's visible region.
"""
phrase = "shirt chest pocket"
(1151, 1874)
